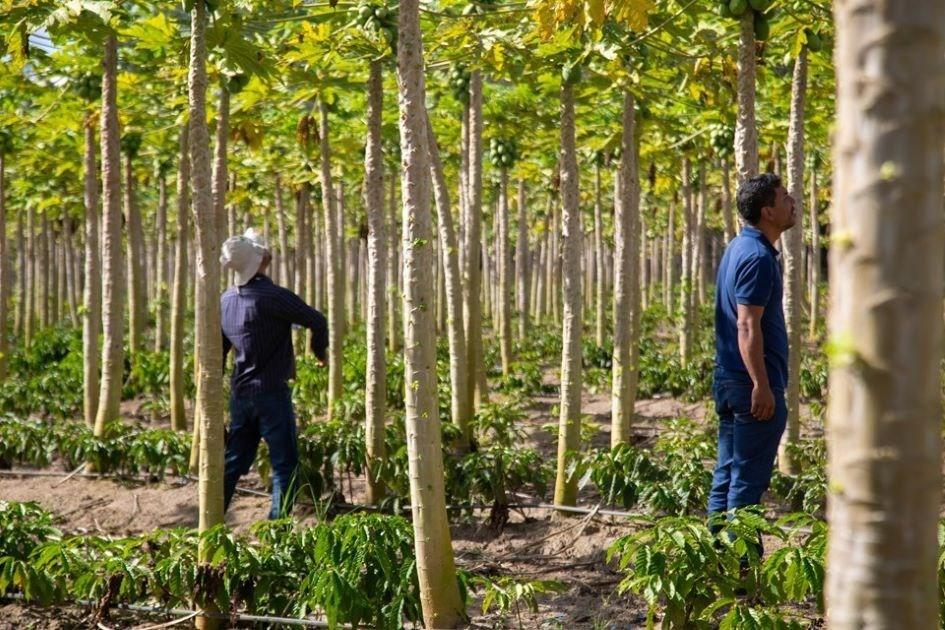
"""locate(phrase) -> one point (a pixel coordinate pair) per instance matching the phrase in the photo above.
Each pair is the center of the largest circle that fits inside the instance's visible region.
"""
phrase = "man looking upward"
(751, 363)
(257, 318)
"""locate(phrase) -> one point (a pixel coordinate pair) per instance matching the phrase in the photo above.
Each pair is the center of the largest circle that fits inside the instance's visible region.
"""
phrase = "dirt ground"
(534, 544)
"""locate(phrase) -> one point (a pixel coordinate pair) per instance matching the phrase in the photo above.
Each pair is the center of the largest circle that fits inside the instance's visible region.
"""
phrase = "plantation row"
(46, 376)
(359, 569)
(671, 478)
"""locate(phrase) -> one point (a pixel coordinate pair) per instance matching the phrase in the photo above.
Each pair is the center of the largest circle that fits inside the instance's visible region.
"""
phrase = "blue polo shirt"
(750, 274)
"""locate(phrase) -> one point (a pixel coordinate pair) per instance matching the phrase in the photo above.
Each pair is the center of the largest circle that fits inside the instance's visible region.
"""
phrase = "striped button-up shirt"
(257, 321)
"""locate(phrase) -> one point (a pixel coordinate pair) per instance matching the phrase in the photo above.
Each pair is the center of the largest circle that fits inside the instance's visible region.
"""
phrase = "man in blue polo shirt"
(751, 341)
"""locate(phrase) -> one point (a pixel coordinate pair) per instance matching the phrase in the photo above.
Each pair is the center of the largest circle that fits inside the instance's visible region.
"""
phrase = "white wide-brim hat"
(243, 254)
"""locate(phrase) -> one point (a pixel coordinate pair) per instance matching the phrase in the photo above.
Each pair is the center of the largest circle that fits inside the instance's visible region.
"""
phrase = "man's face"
(782, 214)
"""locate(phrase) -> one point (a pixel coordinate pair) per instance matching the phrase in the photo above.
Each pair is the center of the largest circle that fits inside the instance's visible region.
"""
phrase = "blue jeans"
(747, 446)
(270, 417)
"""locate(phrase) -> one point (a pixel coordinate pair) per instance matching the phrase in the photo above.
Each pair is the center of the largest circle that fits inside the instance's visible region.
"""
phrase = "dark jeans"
(270, 417)
(747, 446)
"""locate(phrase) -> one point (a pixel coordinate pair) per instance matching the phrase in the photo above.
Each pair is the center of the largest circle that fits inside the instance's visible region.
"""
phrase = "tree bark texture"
(884, 413)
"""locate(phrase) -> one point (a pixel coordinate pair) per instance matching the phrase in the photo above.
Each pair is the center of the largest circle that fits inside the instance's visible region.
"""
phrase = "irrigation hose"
(185, 612)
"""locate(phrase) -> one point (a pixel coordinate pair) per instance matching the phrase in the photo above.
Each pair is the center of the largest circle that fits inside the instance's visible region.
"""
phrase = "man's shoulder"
(746, 250)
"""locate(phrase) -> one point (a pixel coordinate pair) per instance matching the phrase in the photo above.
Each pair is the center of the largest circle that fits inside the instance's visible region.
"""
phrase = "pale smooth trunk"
(884, 412)
(746, 132)
(113, 286)
(436, 571)
(181, 271)
(792, 251)
(569, 422)
(92, 315)
(333, 255)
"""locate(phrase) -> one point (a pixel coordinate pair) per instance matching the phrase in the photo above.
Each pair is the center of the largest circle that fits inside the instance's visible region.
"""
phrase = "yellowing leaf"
(595, 11)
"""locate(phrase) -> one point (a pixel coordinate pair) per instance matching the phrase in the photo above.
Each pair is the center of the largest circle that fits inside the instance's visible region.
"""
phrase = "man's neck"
(771, 232)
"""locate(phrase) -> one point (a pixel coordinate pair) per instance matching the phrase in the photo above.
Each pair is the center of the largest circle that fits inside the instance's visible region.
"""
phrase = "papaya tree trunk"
(569, 423)
(439, 590)
(727, 213)
(284, 274)
(30, 267)
(504, 271)
(814, 278)
(884, 413)
(669, 260)
(375, 395)
(210, 351)
(472, 305)
(113, 286)
(92, 297)
(333, 254)
(137, 291)
(685, 286)
(460, 404)
(598, 261)
(626, 274)
(746, 131)
(5, 275)
(393, 271)
(160, 279)
(522, 266)
(698, 253)
(792, 246)
(181, 271)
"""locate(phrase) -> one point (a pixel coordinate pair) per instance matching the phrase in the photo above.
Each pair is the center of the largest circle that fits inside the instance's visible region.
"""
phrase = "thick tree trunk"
(137, 289)
(113, 286)
(92, 297)
(792, 249)
(209, 351)
(884, 413)
(439, 591)
(598, 261)
(460, 404)
(504, 270)
(569, 423)
(333, 255)
(375, 395)
(521, 264)
(746, 131)
(181, 271)
(685, 286)
(814, 278)
(472, 304)
(626, 281)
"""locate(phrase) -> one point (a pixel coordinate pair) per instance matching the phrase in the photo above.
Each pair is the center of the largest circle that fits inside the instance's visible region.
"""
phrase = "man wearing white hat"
(257, 319)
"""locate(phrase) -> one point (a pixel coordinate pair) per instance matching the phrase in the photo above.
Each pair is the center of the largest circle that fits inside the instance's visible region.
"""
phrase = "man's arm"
(752, 349)
(227, 344)
(293, 309)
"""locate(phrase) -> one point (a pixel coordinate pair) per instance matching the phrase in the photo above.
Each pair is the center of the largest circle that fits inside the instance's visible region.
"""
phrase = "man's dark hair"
(755, 193)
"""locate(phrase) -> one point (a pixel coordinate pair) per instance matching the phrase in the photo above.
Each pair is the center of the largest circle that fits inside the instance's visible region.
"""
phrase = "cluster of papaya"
(723, 139)
(379, 19)
(571, 73)
(479, 7)
(459, 82)
(736, 9)
(502, 152)
(89, 87)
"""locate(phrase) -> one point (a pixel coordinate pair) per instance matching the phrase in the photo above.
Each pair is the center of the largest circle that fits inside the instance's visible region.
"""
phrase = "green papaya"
(762, 27)
(380, 13)
(814, 43)
(738, 7)
(724, 11)
(364, 12)
(760, 5)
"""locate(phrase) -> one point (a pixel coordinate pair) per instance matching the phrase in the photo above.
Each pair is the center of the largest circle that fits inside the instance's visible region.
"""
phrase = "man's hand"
(762, 402)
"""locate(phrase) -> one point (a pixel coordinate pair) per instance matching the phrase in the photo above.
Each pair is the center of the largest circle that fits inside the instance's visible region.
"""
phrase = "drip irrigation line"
(186, 612)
